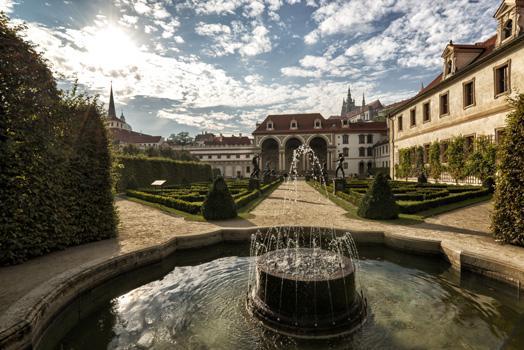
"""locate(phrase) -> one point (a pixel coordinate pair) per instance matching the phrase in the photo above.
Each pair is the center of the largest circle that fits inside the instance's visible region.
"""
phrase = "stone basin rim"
(25, 321)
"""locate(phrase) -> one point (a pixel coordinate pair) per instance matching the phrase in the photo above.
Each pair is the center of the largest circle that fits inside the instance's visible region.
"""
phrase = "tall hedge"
(38, 127)
(457, 156)
(508, 218)
(139, 172)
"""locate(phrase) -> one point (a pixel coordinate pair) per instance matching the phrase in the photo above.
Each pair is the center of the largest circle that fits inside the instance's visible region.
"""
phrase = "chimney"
(240, 134)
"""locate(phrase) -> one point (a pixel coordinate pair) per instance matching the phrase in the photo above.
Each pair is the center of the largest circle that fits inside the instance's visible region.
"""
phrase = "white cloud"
(7, 5)
(258, 43)
(227, 40)
(178, 39)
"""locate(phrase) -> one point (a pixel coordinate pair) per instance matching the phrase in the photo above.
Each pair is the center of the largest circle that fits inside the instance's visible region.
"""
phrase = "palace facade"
(279, 135)
(469, 96)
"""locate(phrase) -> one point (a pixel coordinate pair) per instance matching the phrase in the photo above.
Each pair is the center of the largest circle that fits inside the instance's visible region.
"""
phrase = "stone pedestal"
(339, 185)
(254, 184)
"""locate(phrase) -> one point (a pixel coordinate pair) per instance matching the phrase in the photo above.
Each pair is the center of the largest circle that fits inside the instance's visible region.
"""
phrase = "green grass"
(403, 219)
(243, 212)
(168, 210)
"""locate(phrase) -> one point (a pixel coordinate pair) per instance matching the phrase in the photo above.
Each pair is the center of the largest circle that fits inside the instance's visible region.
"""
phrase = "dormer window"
(269, 125)
(293, 125)
(507, 30)
(318, 124)
(345, 122)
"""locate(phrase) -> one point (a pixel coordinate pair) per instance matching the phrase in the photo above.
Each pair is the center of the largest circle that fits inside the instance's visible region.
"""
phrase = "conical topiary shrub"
(378, 203)
(219, 204)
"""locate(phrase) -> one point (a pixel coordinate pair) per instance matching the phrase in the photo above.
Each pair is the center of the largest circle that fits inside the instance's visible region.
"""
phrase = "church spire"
(111, 113)
(363, 100)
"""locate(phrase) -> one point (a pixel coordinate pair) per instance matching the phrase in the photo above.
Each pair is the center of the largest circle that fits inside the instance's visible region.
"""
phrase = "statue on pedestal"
(256, 167)
(340, 165)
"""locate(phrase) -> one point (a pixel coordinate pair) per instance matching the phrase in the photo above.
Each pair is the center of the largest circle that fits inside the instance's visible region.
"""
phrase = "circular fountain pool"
(196, 300)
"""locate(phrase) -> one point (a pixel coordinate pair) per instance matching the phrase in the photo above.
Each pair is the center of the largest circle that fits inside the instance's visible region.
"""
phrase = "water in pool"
(414, 303)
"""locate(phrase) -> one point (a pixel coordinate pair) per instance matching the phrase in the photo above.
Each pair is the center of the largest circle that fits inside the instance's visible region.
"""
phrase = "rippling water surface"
(414, 303)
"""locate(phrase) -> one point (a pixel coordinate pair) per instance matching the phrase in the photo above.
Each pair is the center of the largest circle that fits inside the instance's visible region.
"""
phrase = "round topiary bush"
(219, 204)
(378, 203)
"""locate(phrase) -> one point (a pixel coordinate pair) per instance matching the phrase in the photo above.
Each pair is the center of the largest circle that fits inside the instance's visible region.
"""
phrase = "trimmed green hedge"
(138, 172)
(415, 207)
(188, 207)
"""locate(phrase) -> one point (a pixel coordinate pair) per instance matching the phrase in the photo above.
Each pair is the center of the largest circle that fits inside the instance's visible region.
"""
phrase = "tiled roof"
(282, 122)
(127, 136)
(229, 141)
(306, 122)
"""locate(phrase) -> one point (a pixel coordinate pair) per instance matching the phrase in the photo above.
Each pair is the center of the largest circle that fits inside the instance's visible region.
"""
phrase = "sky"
(223, 65)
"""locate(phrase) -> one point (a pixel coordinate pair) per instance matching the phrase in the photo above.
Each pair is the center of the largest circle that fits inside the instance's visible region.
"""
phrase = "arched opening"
(449, 67)
(507, 31)
(270, 154)
(370, 168)
(291, 145)
(319, 146)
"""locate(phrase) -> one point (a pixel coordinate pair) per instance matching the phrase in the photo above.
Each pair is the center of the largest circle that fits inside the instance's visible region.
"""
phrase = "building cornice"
(515, 44)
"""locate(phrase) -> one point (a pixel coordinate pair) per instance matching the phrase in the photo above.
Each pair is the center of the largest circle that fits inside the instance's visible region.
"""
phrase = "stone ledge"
(23, 324)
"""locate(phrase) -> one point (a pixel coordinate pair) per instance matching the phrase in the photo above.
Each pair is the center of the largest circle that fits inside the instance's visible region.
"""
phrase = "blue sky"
(221, 66)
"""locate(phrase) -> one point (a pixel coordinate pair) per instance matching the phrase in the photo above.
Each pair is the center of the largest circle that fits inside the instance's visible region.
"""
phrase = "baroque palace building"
(279, 135)
(469, 96)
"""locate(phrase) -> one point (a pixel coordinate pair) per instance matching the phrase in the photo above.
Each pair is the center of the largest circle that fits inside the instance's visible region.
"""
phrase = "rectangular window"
(413, 117)
(219, 156)
(502, 79)
(345, 139)
(361, 139)
(400, 126)
(370, 138)
(346, 165)
(209, 157)
(361, 152)
(444, 104)
(469, 94)
(238, 155)
(345, 151)
(370, 152)
(426, 112)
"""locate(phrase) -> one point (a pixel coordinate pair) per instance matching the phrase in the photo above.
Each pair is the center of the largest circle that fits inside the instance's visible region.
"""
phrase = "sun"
(112, 48)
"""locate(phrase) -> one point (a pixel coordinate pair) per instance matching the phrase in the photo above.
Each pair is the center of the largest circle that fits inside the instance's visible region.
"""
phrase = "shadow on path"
(451, 229)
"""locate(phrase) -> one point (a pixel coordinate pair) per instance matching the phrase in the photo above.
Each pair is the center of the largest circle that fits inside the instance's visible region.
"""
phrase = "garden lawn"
(187, 200)
(416, 201)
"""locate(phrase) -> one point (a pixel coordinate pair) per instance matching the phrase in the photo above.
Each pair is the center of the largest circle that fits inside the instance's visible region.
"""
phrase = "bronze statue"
(340, 165)
(256, 168)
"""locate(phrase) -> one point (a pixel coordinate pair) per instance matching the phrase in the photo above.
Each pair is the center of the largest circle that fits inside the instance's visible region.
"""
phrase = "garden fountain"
(302, 283)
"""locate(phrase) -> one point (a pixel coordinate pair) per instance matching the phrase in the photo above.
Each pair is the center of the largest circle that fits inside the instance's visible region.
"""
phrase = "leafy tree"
(456, 153)
(219, 204)
(419, 161)
(435, 167)
(379, 203)
(482, 161)
(508, 218)
(131, 150)
(405, 165)
(182, 138)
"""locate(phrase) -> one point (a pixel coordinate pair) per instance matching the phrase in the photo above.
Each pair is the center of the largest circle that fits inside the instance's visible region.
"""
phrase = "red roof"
(306, 125)
(487, 46)
(229, 141)
(128, 136)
